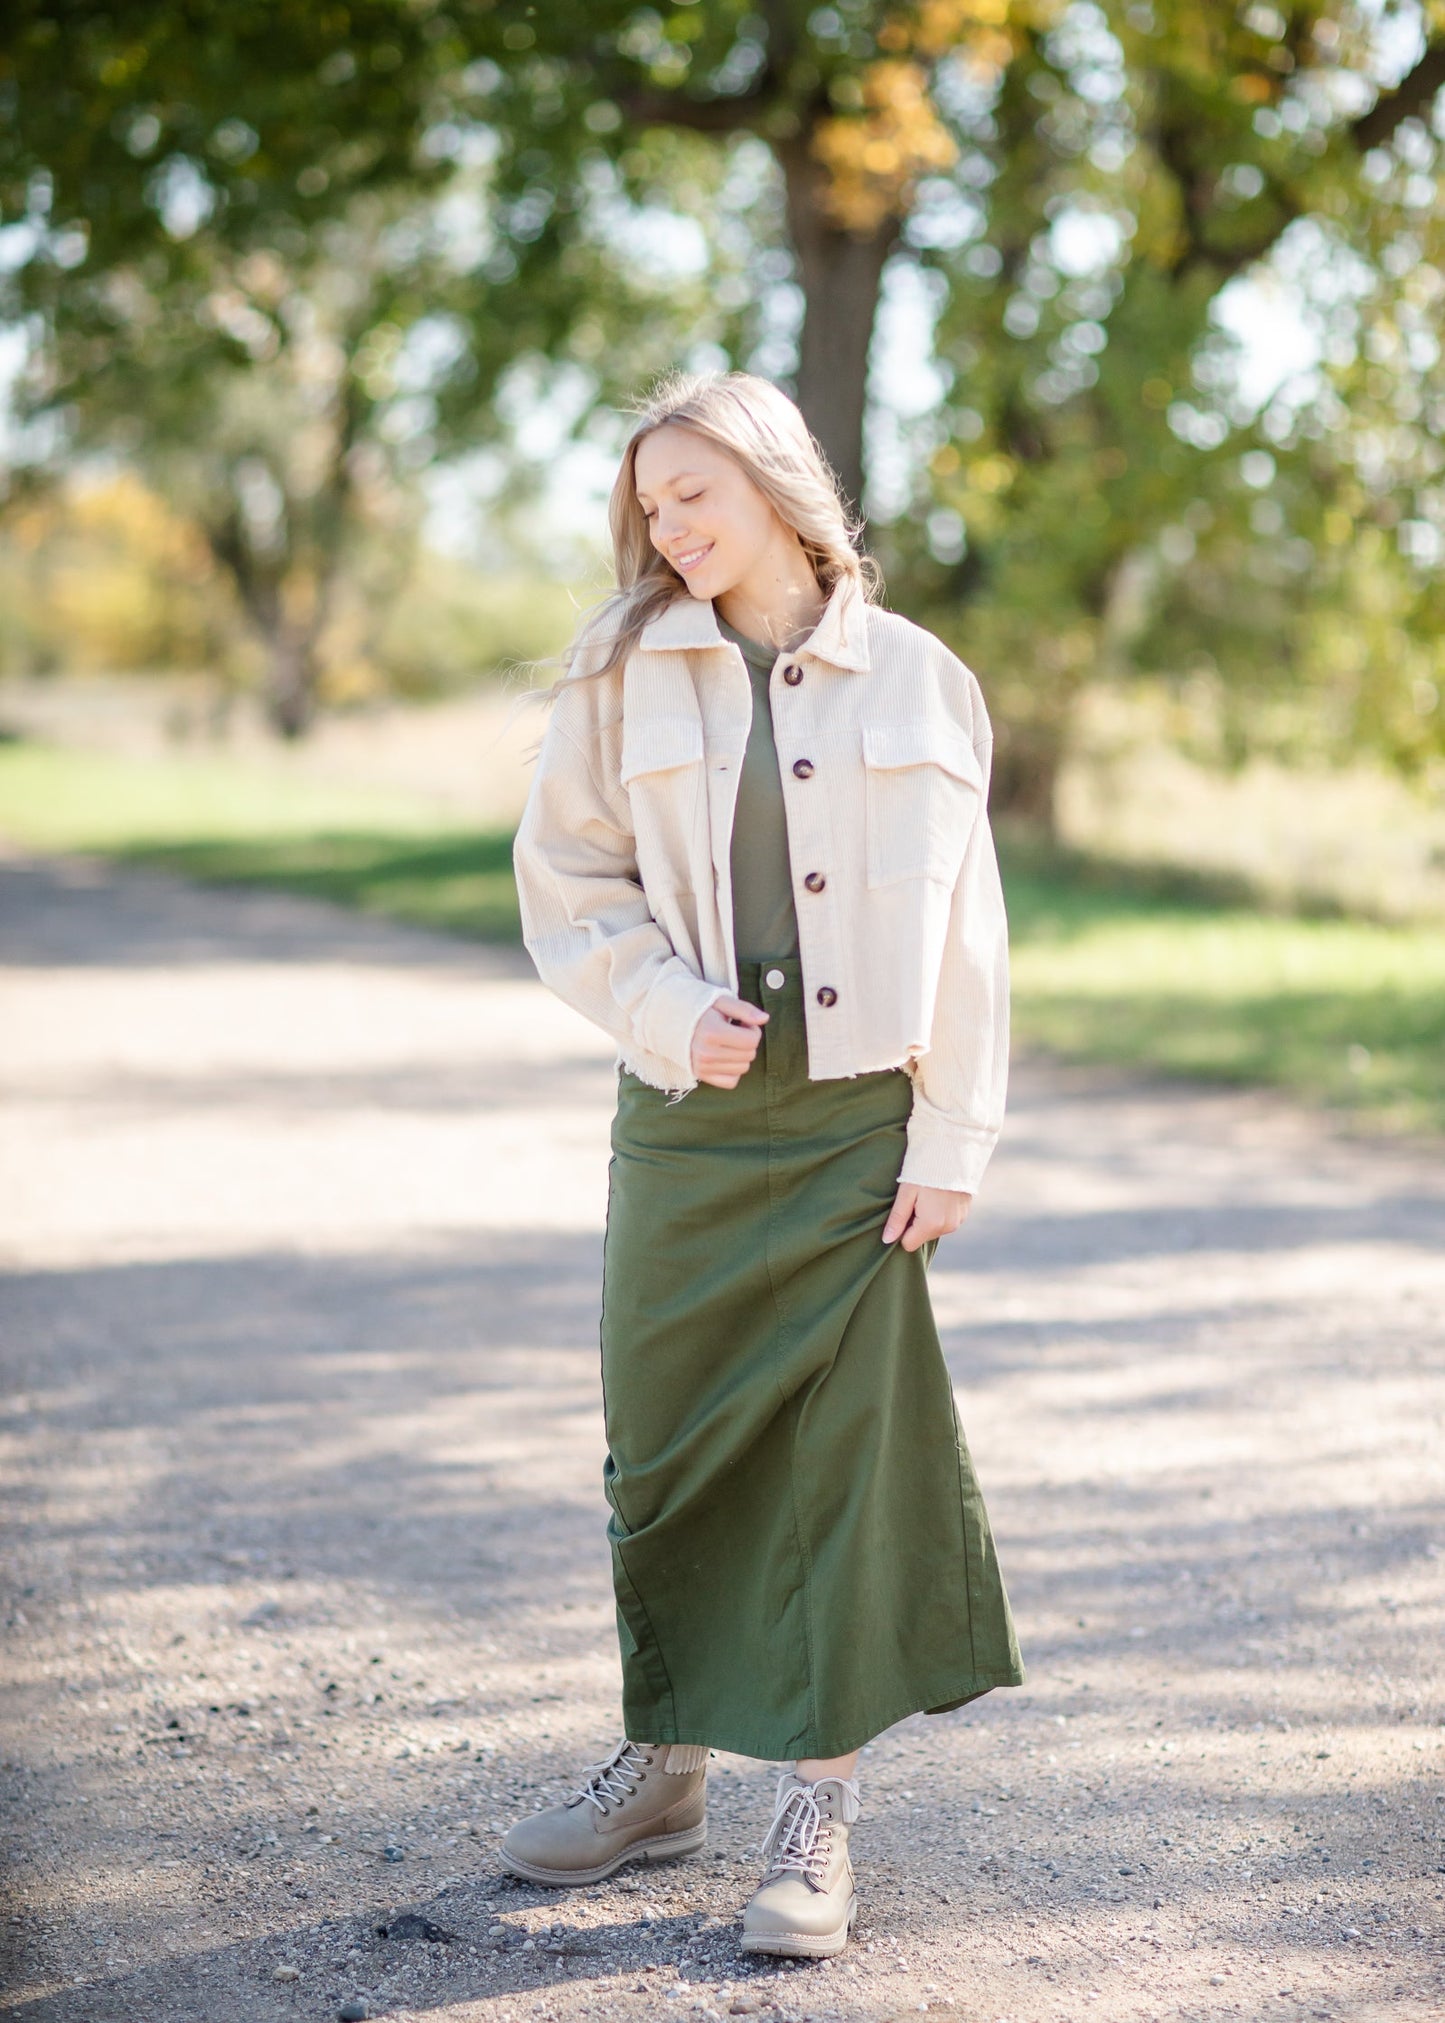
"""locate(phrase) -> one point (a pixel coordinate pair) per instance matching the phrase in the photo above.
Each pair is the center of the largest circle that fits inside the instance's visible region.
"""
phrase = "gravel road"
(306, 1588)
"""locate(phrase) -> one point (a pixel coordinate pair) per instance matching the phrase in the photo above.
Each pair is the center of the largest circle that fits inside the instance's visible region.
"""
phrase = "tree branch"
(650, 107)
(1411, 96)
(647, 107)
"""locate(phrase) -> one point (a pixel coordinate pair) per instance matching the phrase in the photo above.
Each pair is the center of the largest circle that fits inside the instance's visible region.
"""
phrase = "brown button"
(827, 995)
(803, 768)
(815, 881)
(792, 675)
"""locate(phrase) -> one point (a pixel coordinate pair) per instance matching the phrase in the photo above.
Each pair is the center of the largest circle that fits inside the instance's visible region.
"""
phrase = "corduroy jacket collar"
(840, 637)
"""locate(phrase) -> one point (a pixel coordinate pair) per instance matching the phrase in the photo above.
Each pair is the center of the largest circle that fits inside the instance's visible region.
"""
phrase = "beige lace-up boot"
(646, 1802)
(805, 1905)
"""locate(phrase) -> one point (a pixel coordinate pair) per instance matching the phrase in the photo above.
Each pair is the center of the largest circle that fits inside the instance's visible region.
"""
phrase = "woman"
(756, 852)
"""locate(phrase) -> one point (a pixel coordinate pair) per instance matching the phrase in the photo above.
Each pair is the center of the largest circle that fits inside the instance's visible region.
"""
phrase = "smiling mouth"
(692, 558)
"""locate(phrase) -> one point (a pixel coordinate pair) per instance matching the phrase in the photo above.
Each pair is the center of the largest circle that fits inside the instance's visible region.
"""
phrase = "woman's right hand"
(724, 1041)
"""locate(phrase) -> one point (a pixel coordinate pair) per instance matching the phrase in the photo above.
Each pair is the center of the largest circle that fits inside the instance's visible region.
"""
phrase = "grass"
(227, 823)
(1109, 964)
(1341, 1011)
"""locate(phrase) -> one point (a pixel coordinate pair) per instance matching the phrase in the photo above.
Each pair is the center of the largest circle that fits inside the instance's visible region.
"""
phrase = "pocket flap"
(920, 741)
(657, 744)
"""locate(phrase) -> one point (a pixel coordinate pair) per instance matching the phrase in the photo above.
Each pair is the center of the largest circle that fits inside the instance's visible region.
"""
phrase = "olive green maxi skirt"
(800, 1550)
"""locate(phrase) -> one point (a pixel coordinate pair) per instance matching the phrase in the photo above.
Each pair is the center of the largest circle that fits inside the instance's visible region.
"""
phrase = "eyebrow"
(676, 480)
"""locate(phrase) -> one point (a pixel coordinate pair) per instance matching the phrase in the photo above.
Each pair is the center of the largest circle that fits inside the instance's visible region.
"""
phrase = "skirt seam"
(657, 1649)
(602, 1299)
(970, 1571)
(609, 1476)
(794, 1411)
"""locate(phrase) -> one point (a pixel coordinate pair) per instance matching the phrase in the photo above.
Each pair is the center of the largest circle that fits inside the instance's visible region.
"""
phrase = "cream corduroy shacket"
(623, 872)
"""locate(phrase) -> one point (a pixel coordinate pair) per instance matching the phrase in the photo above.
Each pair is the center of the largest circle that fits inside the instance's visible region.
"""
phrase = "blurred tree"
(258, 258)
(1078, 181)
(106, 577)
(1095, 468)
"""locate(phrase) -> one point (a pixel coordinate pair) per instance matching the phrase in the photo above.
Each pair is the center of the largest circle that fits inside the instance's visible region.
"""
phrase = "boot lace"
(609, 1782)
(800, 1837)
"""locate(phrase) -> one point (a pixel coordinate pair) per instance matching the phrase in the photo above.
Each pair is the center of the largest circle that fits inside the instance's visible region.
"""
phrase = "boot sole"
(803, 1945)
(665, 1847)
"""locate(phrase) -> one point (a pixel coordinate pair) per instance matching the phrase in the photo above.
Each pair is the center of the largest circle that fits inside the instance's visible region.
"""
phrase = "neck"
(777, 604)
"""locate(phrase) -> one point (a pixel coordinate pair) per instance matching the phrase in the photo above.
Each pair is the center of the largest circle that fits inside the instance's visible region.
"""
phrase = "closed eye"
(691, 499)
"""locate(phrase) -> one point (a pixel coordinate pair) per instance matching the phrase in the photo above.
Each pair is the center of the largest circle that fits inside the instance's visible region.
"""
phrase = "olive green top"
(764, 920)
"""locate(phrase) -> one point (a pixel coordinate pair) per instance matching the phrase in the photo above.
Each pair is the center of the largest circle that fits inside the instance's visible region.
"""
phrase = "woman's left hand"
(919, 1213)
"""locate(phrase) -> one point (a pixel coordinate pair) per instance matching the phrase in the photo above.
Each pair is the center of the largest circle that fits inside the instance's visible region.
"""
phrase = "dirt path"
(307, 1590)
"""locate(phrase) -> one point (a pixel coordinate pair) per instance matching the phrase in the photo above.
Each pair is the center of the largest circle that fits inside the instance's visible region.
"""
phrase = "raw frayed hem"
(673, 1095)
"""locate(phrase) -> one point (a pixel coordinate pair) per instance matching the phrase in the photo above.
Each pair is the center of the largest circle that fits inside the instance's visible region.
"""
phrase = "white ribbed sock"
(684, 1756)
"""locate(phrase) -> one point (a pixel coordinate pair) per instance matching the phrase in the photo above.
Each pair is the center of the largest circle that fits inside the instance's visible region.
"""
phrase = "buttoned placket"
(821, 943)
(810, 853)
(809, 845)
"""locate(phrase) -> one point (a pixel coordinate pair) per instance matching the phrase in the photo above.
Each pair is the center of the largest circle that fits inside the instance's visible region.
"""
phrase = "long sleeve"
(586, 921)
(959, 1085)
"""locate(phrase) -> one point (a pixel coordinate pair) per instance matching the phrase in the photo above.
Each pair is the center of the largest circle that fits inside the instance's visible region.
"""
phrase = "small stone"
(413, 1926)
(285, 1973)
(393, 1854)
(1216, 1980)
(353, 2012)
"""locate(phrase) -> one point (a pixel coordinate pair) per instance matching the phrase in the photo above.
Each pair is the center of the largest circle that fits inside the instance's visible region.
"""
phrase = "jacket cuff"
(945, 1154)
(670, 1015)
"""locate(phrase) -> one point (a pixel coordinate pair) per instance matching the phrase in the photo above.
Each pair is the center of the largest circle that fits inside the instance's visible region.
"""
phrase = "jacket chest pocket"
(923, 790)
(662, 772)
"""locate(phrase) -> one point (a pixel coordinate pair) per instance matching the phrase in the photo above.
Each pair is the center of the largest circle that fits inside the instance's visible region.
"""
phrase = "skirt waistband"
(766, 979)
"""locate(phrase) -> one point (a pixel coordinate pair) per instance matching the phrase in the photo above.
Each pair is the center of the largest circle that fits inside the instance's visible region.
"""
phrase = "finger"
(898, 1215)
(920, 1232)
(741, 1012)
(735, 1045)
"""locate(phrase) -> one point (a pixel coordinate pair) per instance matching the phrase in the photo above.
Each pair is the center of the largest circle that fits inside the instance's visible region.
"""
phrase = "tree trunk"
(291, 680)
(841, 274)
(1024, 782)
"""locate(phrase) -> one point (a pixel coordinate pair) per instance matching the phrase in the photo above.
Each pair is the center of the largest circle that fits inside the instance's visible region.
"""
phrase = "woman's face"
(703, 512)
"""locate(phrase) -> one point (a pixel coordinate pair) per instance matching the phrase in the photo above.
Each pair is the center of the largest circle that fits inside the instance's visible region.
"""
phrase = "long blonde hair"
(764, 432)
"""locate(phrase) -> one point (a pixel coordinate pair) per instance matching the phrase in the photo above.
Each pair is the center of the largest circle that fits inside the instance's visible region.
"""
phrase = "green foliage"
(277, 261)
(288, 255)
(452, 624)
(104, 578)
(1110, 503)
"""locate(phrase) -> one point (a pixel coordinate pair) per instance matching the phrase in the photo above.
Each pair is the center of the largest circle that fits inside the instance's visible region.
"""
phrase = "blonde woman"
(756, 852)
